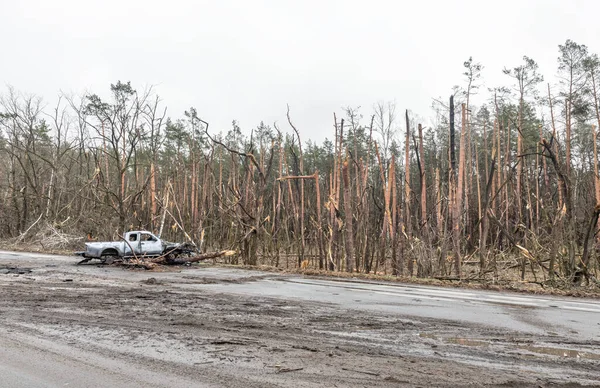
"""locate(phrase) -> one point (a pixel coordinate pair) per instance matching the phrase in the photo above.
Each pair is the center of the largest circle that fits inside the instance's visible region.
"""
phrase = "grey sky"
(246, 60)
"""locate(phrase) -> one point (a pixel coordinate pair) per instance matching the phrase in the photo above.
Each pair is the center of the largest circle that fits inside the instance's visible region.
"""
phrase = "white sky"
(246, 60)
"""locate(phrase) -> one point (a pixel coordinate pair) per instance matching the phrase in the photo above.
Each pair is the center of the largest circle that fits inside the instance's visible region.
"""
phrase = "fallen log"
(192, 259)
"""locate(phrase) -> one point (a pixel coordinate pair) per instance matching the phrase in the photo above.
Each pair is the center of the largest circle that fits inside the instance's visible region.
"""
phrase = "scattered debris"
(285, 370)
(48, 236)
(15, 270)
(361, 371)
(303, 347)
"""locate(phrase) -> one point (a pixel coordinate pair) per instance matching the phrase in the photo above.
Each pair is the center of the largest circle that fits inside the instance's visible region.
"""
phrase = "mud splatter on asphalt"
(174, 324)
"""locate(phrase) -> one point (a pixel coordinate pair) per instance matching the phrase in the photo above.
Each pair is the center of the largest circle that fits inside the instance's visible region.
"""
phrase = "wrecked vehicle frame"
(133, 245)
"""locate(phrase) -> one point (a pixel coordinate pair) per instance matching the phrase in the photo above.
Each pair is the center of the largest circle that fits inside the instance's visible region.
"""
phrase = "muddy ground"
(166, 328)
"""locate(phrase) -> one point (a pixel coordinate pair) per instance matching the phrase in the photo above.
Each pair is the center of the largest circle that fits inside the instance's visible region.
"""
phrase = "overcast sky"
(245, 60)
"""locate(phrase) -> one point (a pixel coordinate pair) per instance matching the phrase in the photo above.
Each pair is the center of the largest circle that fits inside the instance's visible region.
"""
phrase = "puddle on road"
(567, 353)
(455, 340)
(467, 342)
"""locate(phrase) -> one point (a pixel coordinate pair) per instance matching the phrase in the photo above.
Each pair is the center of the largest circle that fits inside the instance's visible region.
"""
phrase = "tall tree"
(117, 124)
(572, 75)
(527, 78)
(473, 77)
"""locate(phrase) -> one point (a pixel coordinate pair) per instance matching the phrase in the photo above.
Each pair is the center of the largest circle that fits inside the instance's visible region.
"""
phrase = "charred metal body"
(133, 244)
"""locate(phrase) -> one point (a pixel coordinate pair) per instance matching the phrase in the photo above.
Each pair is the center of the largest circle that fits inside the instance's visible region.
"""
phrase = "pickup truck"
(139, 243)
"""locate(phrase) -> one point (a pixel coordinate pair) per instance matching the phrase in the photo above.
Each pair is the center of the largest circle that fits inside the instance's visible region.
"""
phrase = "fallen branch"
(136, 263)
(194, 259)
(361, 371)
(130, 247)
(284, 370)
(22, 236)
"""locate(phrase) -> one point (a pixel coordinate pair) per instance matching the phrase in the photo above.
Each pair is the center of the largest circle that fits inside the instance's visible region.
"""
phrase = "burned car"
(134, 244)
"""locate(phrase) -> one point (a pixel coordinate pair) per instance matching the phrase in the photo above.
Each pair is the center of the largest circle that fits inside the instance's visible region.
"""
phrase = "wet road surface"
(577, 319)
(88, 326)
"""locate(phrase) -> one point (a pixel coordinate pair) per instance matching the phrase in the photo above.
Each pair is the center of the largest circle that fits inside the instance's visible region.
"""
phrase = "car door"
(150, 244)
(132, 242)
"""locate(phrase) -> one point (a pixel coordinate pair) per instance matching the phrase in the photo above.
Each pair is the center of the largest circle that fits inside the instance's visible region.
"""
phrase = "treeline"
(507, 188)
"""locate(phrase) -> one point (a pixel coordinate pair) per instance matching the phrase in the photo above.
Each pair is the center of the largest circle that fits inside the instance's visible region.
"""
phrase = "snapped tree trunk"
(348, 219)
(406, 216)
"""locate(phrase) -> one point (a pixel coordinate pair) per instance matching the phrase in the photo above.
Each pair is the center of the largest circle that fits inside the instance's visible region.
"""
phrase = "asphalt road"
(46, 336)
(31, 362)
(574, 318)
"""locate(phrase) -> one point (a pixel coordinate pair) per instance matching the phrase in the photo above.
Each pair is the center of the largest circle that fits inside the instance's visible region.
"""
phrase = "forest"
(509, 189)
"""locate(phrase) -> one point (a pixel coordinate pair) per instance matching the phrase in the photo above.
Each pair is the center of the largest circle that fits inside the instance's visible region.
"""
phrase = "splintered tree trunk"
(407, 219)
(331, 249)
(595, 134)
(204, 202)
(459, 194)
(319, 231)
(529, 208)
(165, 206)
(194, 193)
(423, 184)
(555, 141)
(596, 176)
(498, 170)
(493, 139)
(438, 205)
(485, 174)
(467, 173)
(396, 262)
(315, 176)
(479, 214)
(521, 161)
(452, 138)
(507, 163)
(568, 138)
(366, 204)
(452, 184)
(302, 239)
(338, 188)
(544, 166)
(105, 154)
(348, 219)
(385, 229)
(484, 220)
(537, 189)
(334, 195)
(277, 213)
(565, 190)
(153, 207)
(485, 147)
(388, 196)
